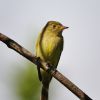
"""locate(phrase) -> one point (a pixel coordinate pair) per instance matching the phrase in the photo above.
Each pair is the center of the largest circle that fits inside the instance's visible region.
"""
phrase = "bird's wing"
(39, 52)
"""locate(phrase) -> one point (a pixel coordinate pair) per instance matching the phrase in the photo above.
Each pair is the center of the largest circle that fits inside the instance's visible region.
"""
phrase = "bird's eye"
(54, 26)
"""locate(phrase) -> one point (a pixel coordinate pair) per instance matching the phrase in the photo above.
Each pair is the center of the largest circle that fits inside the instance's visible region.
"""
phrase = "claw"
(50, 67)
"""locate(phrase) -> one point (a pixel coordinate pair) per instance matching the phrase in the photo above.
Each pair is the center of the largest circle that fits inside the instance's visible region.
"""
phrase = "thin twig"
(55, 73)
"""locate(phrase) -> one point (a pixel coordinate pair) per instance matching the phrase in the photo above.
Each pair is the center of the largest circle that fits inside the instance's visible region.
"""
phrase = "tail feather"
(44, 93)
(46, 78)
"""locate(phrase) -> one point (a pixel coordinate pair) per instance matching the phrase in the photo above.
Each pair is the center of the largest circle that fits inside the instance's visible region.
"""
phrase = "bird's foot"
(50, 67)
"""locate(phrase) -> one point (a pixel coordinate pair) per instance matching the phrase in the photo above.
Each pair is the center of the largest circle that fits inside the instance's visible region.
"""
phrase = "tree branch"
(55, 73)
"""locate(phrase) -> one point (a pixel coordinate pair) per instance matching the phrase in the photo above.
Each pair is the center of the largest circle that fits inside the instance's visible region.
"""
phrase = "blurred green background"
(26, 83)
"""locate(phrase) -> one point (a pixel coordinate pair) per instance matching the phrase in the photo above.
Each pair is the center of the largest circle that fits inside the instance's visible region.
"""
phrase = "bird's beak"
(64, 27)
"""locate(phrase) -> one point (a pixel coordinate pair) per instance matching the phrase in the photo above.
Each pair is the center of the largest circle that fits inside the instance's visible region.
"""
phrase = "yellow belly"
(52, 49)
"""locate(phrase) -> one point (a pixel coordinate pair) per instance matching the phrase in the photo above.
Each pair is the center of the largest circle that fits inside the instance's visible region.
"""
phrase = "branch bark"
(55, 73)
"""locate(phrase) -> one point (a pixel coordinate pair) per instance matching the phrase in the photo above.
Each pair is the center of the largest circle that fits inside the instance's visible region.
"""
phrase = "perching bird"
(49, 47)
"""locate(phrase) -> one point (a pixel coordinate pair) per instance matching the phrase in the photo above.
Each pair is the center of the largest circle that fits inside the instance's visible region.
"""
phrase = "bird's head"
(55, 27)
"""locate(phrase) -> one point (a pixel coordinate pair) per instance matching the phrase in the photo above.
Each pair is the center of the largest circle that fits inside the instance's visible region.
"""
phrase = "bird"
(49, 46)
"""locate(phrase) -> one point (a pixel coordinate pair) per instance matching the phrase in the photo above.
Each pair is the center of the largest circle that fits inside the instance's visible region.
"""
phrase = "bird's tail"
(46, 78)
(44, 92)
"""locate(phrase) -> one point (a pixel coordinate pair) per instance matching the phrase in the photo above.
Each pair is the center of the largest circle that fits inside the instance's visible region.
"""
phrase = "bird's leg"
(50, 67)
(38, 68)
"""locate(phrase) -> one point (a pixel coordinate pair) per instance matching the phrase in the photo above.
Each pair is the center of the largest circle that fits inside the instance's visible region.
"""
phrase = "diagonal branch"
(55, 73)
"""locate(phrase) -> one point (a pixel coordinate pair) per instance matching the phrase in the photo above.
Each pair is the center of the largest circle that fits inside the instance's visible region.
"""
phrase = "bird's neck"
(50, 33)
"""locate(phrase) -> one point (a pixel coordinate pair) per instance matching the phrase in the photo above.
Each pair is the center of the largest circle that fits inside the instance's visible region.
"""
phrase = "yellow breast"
(52, 48)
